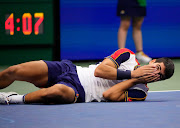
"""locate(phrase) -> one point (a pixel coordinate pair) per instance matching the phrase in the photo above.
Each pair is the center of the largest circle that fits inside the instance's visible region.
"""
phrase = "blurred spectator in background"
(132, 10)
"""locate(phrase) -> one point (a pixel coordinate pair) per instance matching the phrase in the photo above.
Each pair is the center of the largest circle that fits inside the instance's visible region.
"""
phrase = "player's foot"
(5, 97)
(142, 57)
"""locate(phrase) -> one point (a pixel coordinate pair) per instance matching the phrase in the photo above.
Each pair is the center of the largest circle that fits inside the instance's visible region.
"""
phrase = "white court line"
(7, 119)
(166, 91)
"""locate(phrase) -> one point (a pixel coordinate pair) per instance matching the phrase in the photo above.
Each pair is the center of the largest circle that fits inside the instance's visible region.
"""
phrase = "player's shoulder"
(124, 50)
(122, 54)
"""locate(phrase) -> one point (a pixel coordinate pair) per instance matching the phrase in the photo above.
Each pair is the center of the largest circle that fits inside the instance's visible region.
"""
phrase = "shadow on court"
(160, 110)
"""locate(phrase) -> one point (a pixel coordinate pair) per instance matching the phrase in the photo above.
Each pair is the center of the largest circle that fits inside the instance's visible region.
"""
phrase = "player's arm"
(108, 69)
(117, 92)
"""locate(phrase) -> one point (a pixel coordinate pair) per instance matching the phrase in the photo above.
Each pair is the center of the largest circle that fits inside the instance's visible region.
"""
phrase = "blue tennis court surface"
(160, 110)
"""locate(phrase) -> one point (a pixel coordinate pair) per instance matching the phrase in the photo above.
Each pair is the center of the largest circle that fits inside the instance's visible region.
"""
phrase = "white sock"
(16, 99)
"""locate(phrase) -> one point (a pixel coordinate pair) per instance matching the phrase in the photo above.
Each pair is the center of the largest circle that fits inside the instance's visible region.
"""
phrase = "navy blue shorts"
(64, 72)
(135, 95)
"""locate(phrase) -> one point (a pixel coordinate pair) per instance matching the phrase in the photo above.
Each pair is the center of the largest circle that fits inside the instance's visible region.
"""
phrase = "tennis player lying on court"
(118, 77)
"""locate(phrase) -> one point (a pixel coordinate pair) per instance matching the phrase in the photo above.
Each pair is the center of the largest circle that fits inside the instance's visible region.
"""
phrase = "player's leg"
(56, 94)
(35, 72)
(123, 29)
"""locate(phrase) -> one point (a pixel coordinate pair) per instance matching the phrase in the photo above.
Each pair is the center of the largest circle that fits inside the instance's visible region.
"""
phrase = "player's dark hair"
(169, 67)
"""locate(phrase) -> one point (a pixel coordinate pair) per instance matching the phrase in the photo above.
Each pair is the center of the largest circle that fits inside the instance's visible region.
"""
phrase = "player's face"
(160, 68)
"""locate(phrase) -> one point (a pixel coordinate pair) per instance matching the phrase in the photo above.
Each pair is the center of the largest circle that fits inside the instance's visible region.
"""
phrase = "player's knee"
(12, 70)
(58, 95)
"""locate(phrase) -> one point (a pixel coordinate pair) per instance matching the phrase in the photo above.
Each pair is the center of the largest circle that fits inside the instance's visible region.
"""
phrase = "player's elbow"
(111, 97)
(115, 97)
(98, 72)
(106, 95)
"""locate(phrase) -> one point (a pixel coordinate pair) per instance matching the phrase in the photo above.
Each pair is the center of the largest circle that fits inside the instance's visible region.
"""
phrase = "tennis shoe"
(143, 58)
(5, 97)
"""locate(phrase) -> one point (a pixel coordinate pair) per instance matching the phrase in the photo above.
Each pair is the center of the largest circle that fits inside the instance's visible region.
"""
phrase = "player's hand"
(148, 78)
(143, 71)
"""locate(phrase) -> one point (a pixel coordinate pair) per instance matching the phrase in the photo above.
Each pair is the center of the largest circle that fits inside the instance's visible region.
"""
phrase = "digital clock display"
(26, 23)
(29, 30)
(29, 22)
